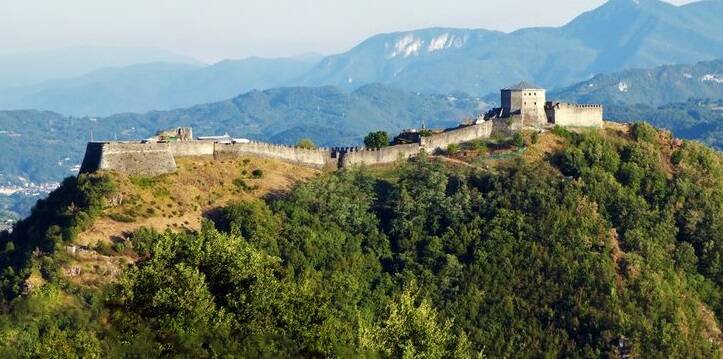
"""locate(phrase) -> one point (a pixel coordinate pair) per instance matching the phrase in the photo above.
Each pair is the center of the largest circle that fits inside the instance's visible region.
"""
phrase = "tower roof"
(524, 85)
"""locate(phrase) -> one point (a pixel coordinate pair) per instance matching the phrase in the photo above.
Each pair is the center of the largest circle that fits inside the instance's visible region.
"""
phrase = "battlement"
(154, 158)
(523, 106)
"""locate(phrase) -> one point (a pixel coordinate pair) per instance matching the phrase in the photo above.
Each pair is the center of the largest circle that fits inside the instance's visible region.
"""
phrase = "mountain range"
(653, 87)
(619, 35)
(154, 86)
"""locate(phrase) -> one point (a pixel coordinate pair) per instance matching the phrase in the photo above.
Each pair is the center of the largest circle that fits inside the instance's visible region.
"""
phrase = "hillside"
(653, 87)
(696, 119)
(619, 35)
(575, 245)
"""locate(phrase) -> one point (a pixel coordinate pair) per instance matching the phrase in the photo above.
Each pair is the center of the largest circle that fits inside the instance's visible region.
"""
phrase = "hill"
(697, 119)
(619, 35)
(653, 87)
(577, 245)
(154, 86)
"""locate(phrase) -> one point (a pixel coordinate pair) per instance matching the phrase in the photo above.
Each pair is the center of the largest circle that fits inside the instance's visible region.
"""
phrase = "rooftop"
(524, 85)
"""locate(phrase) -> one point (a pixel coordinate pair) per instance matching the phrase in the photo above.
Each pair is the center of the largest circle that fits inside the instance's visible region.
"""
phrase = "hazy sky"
(215, 29)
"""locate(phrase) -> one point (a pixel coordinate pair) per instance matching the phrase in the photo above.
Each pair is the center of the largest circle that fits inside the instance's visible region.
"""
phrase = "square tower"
(527, 101)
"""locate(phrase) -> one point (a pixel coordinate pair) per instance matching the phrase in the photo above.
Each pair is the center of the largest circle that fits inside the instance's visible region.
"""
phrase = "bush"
(306, 143)
(103, 248)
(376, 139)
(563, 132)
(535, 137)
(453, 148)
(257, 173)
(518, 140)
(119, 247)
(122, 218)
(642, 131)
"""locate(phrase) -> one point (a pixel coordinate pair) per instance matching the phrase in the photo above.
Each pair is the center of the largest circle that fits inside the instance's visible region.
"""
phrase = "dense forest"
(612, 244)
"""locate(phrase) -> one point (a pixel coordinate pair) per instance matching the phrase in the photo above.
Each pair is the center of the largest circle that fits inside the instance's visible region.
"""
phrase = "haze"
(218, 29)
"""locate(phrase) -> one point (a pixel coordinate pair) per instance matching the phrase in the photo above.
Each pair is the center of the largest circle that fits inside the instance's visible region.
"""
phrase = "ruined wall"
(565, 114)
(384, 155)
(463, 134)
(314, 158)
(150, 159)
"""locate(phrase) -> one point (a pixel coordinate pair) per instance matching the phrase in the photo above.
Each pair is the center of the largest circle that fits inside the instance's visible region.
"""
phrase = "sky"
(212, 30)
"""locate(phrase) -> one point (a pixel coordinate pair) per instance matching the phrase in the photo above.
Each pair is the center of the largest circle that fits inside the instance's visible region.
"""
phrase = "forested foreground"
(612, 245)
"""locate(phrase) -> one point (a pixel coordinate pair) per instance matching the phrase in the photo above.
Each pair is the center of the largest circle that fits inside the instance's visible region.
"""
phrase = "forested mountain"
(600, 244)
(154, 86)
(621, 34)
(653, 87)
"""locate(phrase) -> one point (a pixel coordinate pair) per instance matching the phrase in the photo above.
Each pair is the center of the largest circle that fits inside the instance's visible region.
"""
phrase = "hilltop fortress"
(523, 106)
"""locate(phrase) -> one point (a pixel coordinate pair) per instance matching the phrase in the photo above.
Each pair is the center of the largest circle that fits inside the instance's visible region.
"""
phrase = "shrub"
(103, 248)
(257, 173)
(306, 143)
(241, 184)
(452, 148)
(642, 131)
(123, 218)
(535, 137)
(563, 132)
(119, 247)
(518, 140)
(376, 139)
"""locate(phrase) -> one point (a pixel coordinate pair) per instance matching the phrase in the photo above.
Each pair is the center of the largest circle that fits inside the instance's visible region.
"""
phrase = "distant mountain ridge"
(654, 87)
(619, 35)
(26, 68)
(154, 86)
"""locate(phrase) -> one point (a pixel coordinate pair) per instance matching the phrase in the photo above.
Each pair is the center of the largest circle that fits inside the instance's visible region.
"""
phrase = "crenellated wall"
(384, 155)
(307, 157)
(158, 158)
(573, 115)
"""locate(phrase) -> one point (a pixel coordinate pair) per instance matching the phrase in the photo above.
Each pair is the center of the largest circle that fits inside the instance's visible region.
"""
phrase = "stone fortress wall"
(306, 157)
(521, 106)
(157, 158)
(568, 114)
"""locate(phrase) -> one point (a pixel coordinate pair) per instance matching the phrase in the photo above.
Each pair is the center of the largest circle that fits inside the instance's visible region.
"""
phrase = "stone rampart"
(157, 158)
(573, 115)
(191, 148)
(306, 157)
(149, 159)
(440, 141)
(384, 155)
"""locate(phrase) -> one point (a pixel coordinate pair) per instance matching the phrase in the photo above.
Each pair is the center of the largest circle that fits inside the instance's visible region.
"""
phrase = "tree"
(306, 144)
(376, 139)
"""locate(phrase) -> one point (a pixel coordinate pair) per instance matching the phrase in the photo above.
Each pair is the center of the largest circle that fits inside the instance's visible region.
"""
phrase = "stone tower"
(527, 101)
